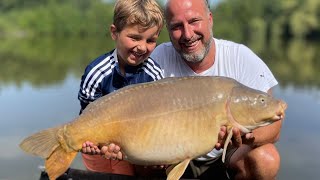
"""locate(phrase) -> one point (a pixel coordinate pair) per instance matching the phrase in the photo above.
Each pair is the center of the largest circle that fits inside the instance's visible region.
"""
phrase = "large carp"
(170, 121)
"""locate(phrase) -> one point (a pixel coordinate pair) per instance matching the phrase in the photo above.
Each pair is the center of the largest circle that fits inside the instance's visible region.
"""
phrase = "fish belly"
(169, 139)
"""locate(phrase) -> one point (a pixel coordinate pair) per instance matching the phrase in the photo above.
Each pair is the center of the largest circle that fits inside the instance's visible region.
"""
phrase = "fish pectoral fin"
(226, 143)
(174, 172)
(59, 162)
(170, 168)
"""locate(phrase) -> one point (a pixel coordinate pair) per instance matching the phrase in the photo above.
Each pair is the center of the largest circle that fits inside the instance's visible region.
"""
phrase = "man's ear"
(113, 31)
(211, 18)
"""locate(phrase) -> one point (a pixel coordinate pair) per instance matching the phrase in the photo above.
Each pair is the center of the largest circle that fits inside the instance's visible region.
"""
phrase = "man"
(194, 51)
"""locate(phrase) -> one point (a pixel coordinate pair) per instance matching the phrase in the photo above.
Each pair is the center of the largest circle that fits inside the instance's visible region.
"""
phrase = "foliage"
(57, 18)
(60, 37)
(240, 20)
(256, 19)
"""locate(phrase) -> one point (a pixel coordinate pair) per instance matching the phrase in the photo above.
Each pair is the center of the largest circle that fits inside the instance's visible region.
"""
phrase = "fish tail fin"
(42, 143)
(59, 162)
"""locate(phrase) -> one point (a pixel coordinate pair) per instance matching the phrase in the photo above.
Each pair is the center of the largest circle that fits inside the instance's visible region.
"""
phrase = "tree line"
(240, 20)
(268, 19)
(63, 36)
(19, 18)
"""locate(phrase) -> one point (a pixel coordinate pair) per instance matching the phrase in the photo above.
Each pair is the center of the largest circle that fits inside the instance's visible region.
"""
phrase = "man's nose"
(187, 32)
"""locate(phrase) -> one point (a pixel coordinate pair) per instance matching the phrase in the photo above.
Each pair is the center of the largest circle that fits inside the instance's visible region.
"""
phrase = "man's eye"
(174, 27)
(194, 22)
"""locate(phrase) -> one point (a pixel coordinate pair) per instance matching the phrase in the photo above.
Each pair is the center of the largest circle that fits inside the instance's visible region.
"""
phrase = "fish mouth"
(283, 105)
(280, 114)
(277, 117)
(262, 124)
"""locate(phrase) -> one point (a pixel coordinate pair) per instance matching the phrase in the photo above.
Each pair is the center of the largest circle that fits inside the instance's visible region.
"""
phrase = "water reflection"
(26, 110)
(39, 81)
(43, 62)
(294, 62)
(298, 144)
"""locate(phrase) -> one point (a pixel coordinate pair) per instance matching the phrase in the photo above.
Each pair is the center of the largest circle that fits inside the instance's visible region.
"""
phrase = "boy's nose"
(142, 48)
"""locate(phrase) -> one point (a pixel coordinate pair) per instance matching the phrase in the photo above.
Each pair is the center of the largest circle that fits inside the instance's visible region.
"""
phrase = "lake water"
(34, 96)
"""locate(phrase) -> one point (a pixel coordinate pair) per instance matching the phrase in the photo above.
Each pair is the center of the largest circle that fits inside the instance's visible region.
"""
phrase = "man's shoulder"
(228, 43)
(164, 51)
(164, 47)
(233, 49)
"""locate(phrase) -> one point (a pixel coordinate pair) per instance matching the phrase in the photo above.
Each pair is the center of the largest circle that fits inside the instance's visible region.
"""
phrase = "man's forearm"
(267, 134)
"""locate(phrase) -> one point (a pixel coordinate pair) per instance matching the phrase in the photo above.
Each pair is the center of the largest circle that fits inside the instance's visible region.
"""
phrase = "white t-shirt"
(231, 60)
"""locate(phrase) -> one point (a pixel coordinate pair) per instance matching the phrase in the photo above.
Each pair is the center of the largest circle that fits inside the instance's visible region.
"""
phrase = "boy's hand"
(112, 151)
(108, 151)
(89, 148)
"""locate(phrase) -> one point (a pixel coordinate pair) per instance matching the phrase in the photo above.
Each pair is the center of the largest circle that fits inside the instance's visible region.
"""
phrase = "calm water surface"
(28, 105)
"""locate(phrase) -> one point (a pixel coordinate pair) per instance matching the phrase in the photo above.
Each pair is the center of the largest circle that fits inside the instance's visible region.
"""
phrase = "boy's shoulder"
(102, 60)
(152, 69)
(151, 62)
(102, 65)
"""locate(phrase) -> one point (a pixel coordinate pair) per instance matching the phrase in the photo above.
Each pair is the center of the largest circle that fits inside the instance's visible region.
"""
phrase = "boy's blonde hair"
(146, 13)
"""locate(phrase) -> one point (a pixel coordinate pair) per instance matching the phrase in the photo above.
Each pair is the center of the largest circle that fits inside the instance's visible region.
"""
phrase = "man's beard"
(198, 56)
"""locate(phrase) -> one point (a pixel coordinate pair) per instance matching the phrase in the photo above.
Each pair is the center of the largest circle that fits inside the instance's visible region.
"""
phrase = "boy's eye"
(135, 38)
(152, 40)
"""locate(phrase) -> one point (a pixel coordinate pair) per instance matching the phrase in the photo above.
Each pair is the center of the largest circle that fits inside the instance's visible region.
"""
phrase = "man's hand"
(238, 138)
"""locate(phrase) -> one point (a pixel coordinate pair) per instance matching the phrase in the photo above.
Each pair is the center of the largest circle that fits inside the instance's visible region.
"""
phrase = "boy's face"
(134, 44)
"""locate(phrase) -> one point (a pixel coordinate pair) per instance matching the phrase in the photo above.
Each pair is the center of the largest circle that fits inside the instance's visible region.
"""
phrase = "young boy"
(135, 29)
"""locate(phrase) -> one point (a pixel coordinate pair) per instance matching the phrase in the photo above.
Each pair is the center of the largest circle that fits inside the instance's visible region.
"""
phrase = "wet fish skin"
(170, 121)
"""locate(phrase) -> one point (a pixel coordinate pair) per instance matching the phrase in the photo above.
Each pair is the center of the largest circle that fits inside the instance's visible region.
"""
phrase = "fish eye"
(262, 99)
